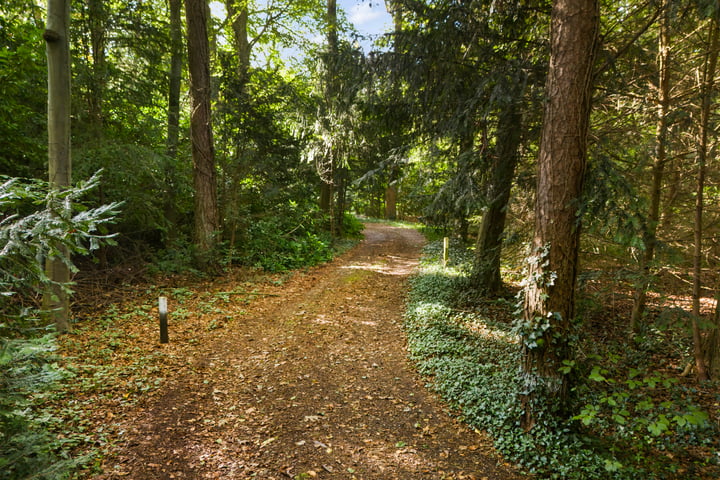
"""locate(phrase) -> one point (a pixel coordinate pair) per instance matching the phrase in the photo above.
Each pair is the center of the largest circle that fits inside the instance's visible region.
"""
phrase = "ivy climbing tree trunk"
(56, 299)
(549, 293)
(203, 150)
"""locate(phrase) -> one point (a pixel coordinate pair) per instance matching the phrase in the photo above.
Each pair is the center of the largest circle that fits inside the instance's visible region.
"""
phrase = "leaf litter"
(271, 377)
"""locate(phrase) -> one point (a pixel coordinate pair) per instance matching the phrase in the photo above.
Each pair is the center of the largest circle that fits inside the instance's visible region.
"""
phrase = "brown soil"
(309, 380)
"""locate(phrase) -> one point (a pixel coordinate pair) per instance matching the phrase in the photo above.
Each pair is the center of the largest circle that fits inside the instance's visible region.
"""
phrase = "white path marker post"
(162, 306)
(446, 248)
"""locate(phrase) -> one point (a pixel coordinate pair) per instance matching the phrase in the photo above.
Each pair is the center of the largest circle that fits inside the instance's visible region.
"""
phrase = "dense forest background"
(441, 123)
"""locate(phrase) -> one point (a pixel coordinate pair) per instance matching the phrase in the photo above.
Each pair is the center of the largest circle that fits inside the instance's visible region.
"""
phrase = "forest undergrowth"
(634, 414)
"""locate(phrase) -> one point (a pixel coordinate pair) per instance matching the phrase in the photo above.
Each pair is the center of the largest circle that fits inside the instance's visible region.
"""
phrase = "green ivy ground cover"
(472, 359)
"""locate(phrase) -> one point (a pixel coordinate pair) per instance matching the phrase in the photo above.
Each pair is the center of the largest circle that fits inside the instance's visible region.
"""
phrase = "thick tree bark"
(203, 150)
(486, 268)
(658, 167)
(56, 301)
(706, 95)
(549, 294)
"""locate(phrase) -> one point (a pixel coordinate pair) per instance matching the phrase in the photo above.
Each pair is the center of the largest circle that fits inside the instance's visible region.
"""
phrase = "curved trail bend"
(312, 383)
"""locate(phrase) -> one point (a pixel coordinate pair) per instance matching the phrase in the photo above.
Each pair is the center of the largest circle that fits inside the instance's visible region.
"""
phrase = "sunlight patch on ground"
(495, 334)
(449, 271)
(368, 322)
(479, 327)
(389, 265)
(707, 304)
(322, 320)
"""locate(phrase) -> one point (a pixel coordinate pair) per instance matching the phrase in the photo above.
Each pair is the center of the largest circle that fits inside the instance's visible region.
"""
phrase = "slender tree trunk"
(391, 193)
(706, 95)
(658, 167)
(176, 59)
(467, 158)
(327, 176)
(325, 195)
(712, 345)
(549, 294)
(97, 21)
(173, 114)
(332, 27)
(203, 151)
(486, 268)
(56, 300)
(238, 13)
(672, 192)
(341, 205)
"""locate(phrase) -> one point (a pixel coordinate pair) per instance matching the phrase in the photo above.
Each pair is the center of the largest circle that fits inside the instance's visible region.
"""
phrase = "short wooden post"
(446, 248)
(162, 306)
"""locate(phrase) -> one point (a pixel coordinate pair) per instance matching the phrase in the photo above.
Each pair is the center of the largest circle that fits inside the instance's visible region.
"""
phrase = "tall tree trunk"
(658, 167)
(176, 59)
(325, 195)
(332, 28)
(203, 150)
(173, 114)
(341, 204)
(56, 300)
(328, 173)
(97, 21)
(549, 294)
(391, 192)
(706, 95)
(672, 192)
(395, 9)
(711, 352)
(486, 267)
(238, 14)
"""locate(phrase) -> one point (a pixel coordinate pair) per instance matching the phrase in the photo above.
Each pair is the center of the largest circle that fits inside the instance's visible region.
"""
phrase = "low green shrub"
(278, 244)
(352, 226)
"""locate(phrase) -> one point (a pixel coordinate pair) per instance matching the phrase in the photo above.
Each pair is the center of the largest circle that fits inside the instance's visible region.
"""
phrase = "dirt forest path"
(312, 383)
